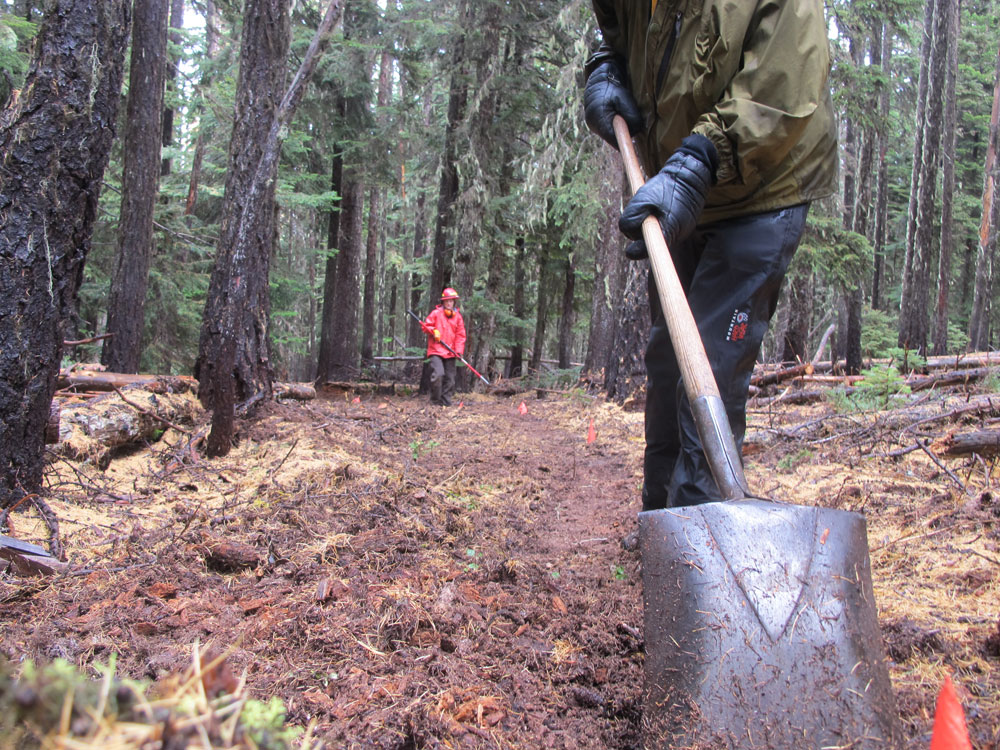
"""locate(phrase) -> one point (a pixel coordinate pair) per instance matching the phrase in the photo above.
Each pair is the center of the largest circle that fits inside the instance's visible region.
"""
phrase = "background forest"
(441, 142)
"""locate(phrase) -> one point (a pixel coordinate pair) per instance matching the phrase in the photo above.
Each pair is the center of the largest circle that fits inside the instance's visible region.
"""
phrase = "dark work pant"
(442, 380)
(731, 272)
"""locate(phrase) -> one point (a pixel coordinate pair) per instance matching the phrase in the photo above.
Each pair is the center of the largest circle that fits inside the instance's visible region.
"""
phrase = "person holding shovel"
(729, 106)
(445, 331)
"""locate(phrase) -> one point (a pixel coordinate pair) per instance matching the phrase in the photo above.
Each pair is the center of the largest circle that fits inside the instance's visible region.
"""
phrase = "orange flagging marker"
(523, 408)
(950, 732)
(591, 433)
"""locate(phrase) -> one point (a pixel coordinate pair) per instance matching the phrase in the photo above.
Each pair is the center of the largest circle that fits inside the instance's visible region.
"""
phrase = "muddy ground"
(411, 576)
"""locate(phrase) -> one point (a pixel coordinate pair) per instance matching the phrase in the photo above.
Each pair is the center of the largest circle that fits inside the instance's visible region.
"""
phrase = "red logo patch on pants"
(738, 326)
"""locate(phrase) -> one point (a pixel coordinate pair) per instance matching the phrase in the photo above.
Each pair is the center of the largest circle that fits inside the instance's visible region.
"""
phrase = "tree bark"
(986, 250)
(850, 339)
(567, 320)
(882, 192)
(609, 269)
(234, 351)
(414, 336)
(339, 355)
(441, 260)
(940, 335)
(796, 339)
(143, 139)
(914, 320)
(515, 368)
(231, 363)
(371, 271)
(541, 311)
(170, 93)
(627, 370)
(918, 134)
(324, 362)
(54, 150)
(199, 146)
(346, 301)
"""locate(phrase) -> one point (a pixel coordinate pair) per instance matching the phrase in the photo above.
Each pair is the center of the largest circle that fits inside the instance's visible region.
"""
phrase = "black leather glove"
(606, 95)
(675, 195)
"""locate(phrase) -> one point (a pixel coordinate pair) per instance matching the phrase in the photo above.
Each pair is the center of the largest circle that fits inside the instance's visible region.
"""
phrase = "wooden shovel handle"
(688, 347)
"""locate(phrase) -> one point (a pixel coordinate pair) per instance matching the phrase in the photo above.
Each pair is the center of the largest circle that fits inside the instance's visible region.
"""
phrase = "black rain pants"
(731, 271)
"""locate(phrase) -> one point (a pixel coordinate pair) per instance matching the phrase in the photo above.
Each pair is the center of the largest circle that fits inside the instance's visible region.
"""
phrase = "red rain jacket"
(452, 333)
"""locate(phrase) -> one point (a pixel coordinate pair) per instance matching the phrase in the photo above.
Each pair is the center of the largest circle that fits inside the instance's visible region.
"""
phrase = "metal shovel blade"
(761, 631)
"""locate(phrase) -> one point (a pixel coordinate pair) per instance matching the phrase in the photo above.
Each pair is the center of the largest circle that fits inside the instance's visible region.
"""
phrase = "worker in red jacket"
(445, 331)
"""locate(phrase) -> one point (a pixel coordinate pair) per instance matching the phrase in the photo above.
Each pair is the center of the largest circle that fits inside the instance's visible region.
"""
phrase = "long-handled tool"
(760, 622)
(464, 361)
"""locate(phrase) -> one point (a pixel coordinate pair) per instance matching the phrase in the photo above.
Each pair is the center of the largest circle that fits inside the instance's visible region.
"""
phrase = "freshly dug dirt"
(410, 576)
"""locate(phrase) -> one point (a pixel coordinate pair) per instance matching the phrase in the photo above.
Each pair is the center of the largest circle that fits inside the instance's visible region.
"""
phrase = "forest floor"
(410, 576)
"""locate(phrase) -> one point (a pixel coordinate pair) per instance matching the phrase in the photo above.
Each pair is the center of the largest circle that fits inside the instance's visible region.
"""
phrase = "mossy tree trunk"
(54, 148)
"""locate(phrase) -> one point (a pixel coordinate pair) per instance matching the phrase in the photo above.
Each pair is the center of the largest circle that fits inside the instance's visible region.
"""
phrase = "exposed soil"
(410, 576)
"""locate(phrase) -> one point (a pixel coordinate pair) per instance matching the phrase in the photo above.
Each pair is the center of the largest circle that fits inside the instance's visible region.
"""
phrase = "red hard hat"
(449, 293)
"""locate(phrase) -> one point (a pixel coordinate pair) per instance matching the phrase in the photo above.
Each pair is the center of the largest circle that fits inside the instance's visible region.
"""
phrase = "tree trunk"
(346, 300)
(800, 307)
(54, 150)
(882, 192)
(170, 94)
(234, 351)
(328, 314)
(609, 269)
(414, 336)
(371, 272)
(233, 357)
(918, 137)
(567, 320)
(983, 286)
(541, 311)
(375, 220)
(627, 370)
(441, 260)
(914, 320)
(516, 366)
(144, 112)
(948, 186)
(849, 342)
(495, 277)
(199, 146)
(339, 354)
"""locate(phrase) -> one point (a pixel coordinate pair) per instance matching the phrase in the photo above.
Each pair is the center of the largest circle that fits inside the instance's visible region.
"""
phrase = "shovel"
(760, 621)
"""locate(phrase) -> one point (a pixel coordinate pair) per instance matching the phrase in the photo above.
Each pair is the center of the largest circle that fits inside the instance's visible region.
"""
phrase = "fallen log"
(297, 391)
(796, 397)
(983, 442)
(95, 429)
(772, 378)
(955, 377)
(767, 375)
(93, 380)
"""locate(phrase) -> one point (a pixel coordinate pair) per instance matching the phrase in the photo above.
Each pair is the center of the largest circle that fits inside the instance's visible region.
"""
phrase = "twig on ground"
(282, 461)
(951, 475)
(926, 535)
(985, 557)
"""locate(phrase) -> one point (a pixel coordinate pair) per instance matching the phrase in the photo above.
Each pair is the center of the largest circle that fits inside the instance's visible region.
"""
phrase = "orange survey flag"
(591, 433)
(523, 408)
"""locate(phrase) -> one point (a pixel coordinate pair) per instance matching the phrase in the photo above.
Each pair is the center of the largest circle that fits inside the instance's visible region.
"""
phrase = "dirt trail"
(411, 577)
(414, 576)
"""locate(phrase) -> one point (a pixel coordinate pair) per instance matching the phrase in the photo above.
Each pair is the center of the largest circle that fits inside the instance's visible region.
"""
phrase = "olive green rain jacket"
(750, 75)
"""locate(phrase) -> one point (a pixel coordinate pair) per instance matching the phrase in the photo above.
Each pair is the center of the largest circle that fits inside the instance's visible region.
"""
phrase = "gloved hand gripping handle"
(699, 381)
